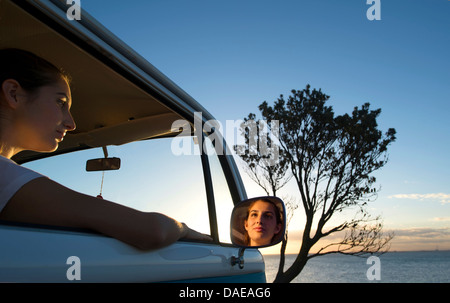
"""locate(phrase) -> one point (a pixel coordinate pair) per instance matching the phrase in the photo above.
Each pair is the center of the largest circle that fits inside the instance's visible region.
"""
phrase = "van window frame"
(182, 108)
(231, 183)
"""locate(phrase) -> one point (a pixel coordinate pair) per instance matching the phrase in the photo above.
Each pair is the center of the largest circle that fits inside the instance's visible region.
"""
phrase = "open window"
(151, 178)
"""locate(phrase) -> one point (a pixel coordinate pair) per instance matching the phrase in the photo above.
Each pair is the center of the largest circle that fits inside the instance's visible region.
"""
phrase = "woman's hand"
(190, 234)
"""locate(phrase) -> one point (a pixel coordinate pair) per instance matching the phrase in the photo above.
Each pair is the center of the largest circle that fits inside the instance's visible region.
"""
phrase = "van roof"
(116, 92)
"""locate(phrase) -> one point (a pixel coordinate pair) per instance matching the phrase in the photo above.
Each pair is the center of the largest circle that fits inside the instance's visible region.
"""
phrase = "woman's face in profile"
(46, 118)
(261, 224)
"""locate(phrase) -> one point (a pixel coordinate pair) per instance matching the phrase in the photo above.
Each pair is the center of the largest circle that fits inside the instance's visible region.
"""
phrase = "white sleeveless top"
(12, 178)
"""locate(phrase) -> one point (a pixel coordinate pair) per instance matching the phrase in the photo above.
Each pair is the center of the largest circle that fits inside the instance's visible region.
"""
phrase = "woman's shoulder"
(10, 165)
(13, 173)
(12, 178)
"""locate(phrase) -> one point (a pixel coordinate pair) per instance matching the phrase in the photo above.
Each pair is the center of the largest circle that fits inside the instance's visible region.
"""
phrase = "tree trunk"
(302, 257)
(295, 268)
(282, 257)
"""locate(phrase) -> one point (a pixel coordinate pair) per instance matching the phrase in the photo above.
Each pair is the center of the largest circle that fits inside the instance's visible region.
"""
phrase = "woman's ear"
(10, 88)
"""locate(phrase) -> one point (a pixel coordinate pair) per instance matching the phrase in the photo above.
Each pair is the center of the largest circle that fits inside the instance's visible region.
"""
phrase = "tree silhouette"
(331, 158)
(264, 164)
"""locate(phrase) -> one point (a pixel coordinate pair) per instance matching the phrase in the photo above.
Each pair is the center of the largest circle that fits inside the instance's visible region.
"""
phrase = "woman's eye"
(269, 216)
(61, 102)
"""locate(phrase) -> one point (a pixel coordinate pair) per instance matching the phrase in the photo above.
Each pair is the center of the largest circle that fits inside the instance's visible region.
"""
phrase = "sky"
(232, 55)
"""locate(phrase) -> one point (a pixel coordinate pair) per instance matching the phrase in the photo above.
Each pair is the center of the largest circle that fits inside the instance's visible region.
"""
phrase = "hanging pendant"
(101, 186)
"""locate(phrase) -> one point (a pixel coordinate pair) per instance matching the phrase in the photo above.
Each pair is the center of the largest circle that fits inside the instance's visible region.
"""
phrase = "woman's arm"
(43, 201)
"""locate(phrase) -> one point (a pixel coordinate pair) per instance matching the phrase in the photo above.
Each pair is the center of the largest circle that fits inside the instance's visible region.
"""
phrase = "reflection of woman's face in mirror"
(262, 223)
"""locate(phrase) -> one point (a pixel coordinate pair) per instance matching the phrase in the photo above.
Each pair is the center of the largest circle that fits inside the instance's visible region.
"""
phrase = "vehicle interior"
(108, 108)
(120, 100)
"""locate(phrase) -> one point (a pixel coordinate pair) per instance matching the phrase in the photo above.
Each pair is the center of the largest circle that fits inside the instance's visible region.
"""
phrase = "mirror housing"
(103, 164)
(258, 222)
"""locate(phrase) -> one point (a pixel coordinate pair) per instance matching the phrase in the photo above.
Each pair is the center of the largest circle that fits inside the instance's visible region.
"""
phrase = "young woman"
(35, 102)
(263, 223)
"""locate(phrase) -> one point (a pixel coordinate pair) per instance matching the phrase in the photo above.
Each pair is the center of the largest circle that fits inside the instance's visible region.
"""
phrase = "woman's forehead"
(262, 206)
(61, 88)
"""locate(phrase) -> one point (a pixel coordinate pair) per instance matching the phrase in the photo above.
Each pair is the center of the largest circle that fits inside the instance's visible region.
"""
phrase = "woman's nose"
(69, 122)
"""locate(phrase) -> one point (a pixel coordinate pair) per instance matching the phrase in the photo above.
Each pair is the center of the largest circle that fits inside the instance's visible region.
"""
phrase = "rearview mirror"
(258, 222)
(102, 164)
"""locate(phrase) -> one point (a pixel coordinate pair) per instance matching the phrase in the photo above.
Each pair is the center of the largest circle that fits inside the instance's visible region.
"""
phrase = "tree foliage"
(269, 175)
(332, 160)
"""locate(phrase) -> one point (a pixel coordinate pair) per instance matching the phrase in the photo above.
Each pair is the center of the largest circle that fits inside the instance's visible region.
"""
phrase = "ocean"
(391, 267)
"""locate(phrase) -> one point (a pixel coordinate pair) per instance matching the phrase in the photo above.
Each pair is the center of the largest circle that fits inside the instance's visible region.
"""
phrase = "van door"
(33, 254)
(155, 177)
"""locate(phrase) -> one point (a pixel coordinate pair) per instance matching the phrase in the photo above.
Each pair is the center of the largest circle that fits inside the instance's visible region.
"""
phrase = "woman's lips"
(60, 135)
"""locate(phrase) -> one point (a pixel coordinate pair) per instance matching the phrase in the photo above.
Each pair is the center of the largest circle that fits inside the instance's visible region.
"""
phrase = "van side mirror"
(103, 164)
(258, 222)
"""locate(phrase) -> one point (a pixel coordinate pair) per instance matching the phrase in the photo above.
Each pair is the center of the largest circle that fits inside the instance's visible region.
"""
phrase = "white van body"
(119, 98)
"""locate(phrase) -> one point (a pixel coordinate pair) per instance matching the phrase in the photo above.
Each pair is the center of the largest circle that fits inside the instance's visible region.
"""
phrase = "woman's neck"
(7, 151)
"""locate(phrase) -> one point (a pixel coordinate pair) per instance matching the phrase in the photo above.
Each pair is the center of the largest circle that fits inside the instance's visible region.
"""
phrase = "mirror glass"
(103, 164)
(258, 222)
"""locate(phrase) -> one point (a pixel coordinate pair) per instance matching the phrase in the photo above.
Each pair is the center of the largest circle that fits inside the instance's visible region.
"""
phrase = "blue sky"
(233, 55)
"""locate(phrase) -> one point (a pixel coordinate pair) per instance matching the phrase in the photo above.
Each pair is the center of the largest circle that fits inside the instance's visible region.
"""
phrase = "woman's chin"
(46, 149)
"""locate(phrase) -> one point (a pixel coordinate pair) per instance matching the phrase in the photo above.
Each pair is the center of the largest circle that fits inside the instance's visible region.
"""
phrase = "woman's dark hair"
(30, 70)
